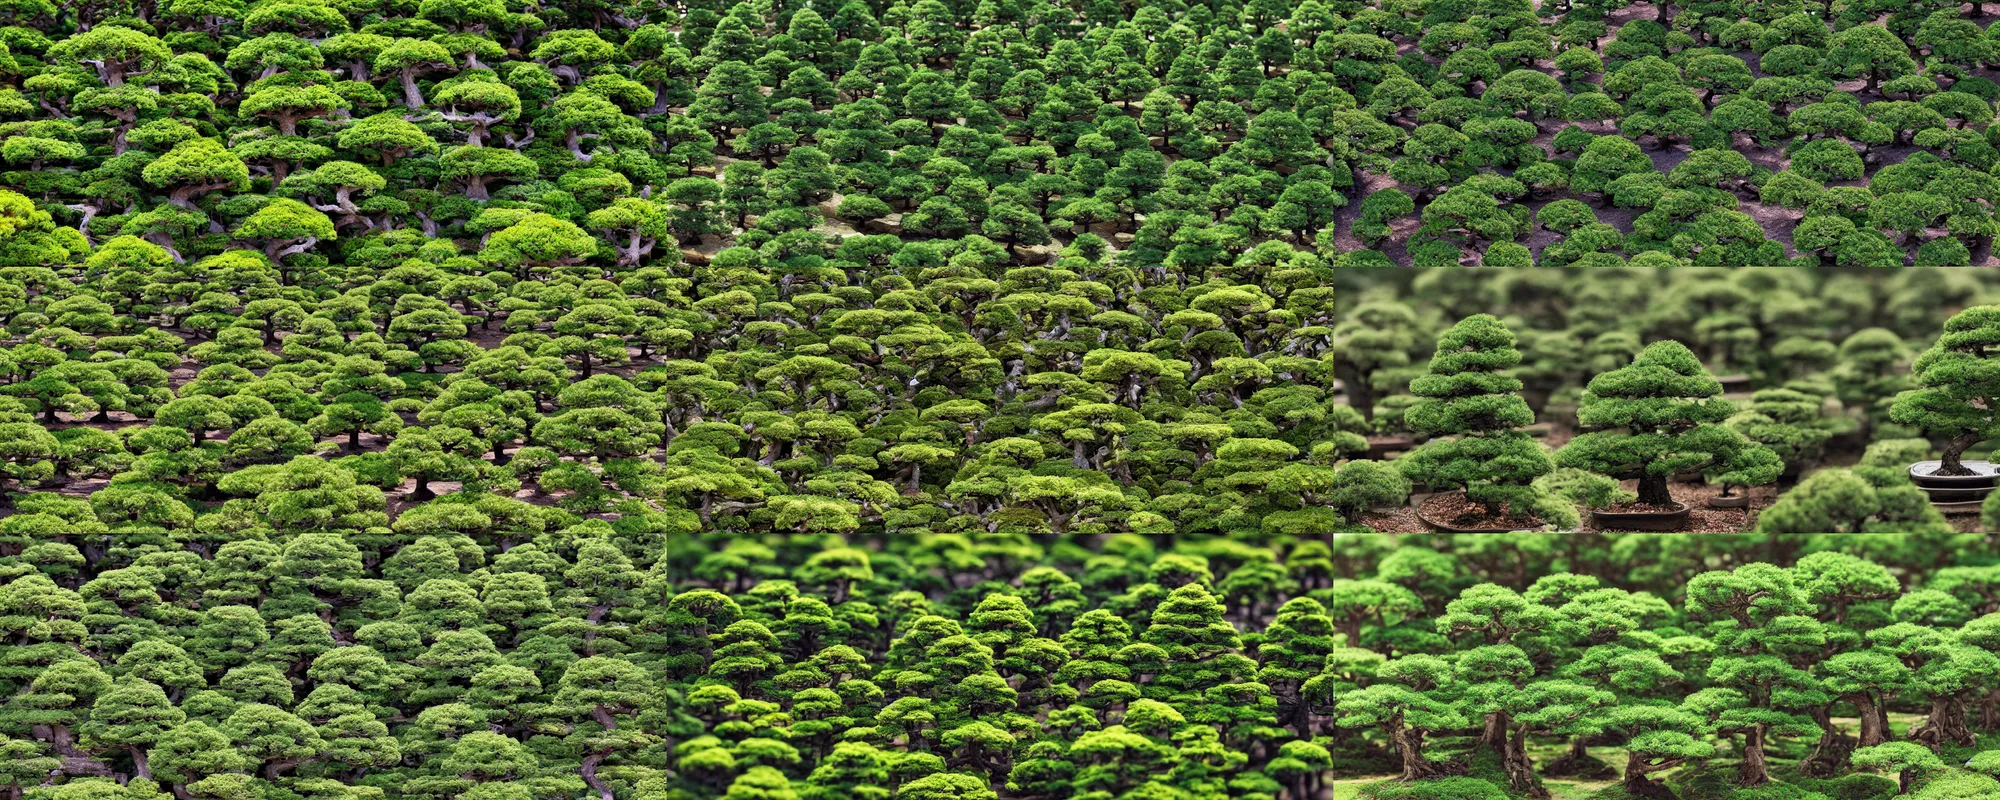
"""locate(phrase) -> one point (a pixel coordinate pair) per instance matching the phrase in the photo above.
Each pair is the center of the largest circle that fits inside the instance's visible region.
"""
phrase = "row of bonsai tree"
(1265, 669)
(1663, 415)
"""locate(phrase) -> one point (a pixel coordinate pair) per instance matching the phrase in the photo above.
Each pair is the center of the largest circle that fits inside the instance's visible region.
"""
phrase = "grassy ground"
(1349, 788)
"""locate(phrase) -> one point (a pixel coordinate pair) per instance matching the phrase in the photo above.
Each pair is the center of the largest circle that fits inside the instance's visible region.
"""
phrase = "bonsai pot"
(1431, 521)
(1380, 446)
(1856, 439)
(1945, 489)
(1664, 521)
(1732, 501)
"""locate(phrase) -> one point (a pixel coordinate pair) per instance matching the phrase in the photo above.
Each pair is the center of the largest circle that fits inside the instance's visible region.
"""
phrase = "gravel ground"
(1701, 518)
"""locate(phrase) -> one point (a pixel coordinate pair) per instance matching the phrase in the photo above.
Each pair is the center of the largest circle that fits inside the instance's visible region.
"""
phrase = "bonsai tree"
(1475, 407)
(1652, 419)
(1374, 343)
(1361, 485)
(1790, 423)
(1852, 501)
(1751, 466)
(1581, 489)
(1866, 375)
(1404, 705)
(1958, 387)
(1907, 759)
(1659, 739)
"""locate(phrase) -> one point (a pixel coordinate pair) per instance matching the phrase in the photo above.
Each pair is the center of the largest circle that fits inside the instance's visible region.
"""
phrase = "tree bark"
(589, 772)
(1755, 771)
(1953, 451)
(1653, 490)
(1520, 769)
(1946, 723)
(1830, 753)
(411, 96)
(1409, 745)
(1638, 785)
(1873, 732)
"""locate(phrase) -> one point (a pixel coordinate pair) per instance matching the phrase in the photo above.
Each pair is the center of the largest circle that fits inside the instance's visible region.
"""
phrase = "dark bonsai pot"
(1730, 501)
(1447, 527)
(1944, 489)
(1663, 521)
(1381, 446)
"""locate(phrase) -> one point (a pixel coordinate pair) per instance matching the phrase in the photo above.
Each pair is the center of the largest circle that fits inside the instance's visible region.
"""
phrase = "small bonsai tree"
(1958, 387)
(1652, 419)
(1475, 407)
(1750, 466)
(1908, 760)
(1361, 485)
(1582, 489)
(1868, 374)
(1852, 501)
(1790, 422)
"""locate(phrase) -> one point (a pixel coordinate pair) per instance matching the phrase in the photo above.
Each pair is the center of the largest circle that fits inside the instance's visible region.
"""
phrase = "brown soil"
(1701, 518)
(1641, 508)
(1400, 520)
(1453, 509)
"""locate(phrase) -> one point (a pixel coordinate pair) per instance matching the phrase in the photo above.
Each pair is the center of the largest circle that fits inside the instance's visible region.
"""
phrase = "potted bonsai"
(1472, 408)
(1649, 420)
(1751, 466)
(1957, 397)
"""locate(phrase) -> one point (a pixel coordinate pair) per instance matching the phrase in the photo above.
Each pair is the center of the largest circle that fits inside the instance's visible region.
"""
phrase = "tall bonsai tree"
(1958, 386)
(1652, 419)
(1469, 397)
(1375, 342)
